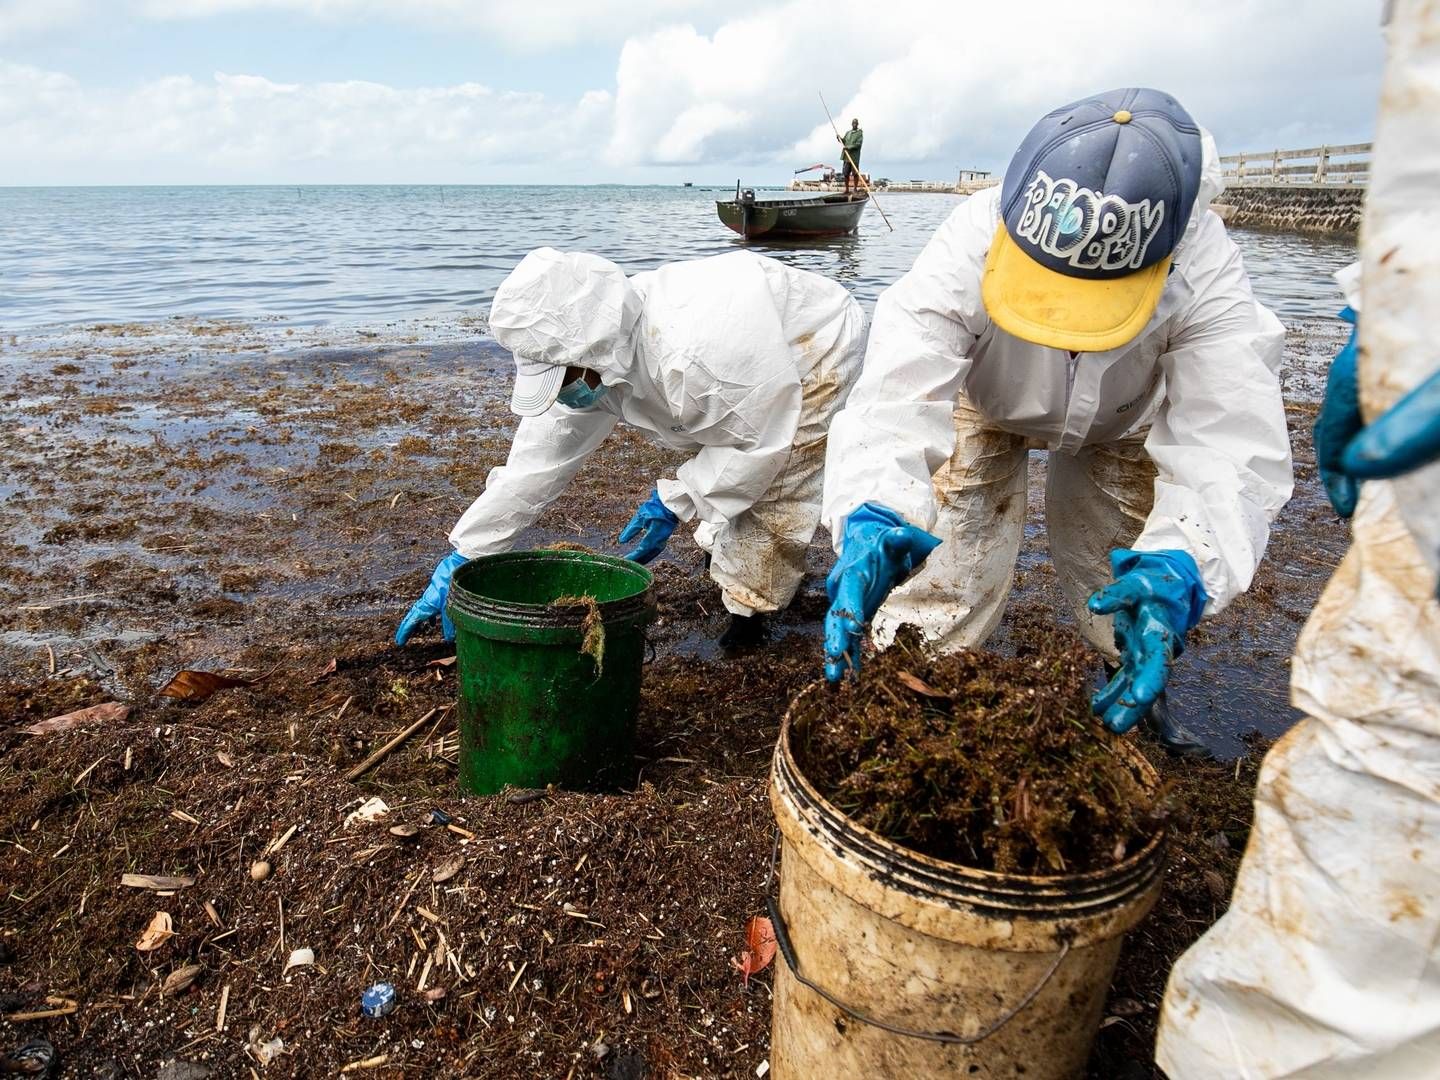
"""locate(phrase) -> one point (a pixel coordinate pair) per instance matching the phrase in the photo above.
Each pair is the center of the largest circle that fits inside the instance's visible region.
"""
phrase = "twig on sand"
(384, 751)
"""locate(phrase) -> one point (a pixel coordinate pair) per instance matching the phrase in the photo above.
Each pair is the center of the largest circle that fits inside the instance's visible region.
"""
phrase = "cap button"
(1122, 117)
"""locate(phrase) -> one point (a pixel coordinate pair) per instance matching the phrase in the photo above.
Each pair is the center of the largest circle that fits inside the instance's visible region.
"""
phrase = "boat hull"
(780, 219)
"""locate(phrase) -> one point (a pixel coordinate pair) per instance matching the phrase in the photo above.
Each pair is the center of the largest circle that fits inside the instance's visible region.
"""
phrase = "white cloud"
(937, 85)
(248, 128)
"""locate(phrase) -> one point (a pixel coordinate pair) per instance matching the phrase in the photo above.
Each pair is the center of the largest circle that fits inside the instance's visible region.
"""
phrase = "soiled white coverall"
(1174, 440)
(1327, 964)
(739, 358)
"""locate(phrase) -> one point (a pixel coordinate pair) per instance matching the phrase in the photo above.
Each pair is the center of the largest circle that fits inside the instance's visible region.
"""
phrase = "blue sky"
(476, 91)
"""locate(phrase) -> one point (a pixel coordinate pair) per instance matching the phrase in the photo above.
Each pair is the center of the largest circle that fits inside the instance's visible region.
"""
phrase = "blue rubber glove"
(876, 554)
(432, 603)
(1156, 598)
(1405, 437)
(1338, 422)
(655, 520)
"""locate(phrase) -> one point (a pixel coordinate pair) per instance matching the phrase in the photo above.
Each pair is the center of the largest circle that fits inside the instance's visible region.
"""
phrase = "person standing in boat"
(737, 358)
(850, 144)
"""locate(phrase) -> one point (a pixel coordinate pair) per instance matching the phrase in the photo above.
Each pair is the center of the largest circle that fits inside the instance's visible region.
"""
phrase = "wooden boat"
(789, 218)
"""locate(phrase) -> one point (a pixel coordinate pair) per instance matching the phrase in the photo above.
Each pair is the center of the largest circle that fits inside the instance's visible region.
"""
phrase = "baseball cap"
(537, 385)
(1093, 205)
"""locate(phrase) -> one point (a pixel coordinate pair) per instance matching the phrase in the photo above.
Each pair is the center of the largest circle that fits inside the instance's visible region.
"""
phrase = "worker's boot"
(1169, 732)
(744, 633)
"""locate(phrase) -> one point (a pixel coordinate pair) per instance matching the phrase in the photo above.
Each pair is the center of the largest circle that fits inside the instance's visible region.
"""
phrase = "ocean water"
(356, 256)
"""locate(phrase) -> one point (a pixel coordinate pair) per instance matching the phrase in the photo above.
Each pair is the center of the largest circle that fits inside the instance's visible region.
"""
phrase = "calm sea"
(348, 256)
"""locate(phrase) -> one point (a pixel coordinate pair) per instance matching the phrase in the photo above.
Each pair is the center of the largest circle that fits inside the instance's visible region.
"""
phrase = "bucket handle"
(787, 950)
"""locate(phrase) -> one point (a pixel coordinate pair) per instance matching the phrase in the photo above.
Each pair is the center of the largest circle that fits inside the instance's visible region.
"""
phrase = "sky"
(637, 91)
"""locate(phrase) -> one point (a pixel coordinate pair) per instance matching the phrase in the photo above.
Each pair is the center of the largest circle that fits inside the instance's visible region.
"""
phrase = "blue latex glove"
(1403, 438)
(1338, 422)
(876, 554)
(656, 522)
(432, 603)
(1156, 598)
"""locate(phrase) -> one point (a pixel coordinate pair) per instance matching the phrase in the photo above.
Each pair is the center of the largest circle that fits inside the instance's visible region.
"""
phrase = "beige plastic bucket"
(898, 965)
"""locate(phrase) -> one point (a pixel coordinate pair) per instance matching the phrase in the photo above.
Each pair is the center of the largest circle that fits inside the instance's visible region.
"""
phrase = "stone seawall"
(1293, 208)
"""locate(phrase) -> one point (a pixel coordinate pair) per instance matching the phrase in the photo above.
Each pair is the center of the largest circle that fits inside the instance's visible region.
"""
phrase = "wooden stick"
(220, 1012)
(64, 1007)
(384, 751)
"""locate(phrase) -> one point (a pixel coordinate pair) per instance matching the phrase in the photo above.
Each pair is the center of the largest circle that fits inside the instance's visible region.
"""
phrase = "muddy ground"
(198, 495)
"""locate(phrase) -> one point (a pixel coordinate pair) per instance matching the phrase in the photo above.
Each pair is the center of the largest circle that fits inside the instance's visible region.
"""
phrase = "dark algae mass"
(992, 761)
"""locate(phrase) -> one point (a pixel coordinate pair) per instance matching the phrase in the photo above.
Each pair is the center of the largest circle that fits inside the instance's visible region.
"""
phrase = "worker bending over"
(1092, 306)
(738, 358)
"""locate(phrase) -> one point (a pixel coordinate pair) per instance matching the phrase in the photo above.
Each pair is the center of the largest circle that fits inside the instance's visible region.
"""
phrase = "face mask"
(578, 395)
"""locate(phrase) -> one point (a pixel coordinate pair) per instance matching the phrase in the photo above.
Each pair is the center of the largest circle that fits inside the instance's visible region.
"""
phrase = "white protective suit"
(739, 358)
(1327, 964)
(1174, 440)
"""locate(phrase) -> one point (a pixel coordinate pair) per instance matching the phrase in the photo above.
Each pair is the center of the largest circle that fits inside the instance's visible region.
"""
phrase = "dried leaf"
(919, 685)
(759, 948)
(190, 685)
(156, 934)
(444, 661)
(225, 759)
(448, 869)
(159, 882)
(110, 710)
(328, 670)
(180, 979)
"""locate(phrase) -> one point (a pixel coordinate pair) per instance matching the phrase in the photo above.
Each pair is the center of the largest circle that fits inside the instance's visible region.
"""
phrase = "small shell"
(259, 870)
(180, 979)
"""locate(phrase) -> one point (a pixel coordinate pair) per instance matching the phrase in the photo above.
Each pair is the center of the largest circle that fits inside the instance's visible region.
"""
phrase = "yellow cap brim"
(1048, 308)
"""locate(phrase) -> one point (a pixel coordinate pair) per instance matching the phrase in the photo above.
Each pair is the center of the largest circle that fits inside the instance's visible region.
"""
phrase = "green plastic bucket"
(539, 704)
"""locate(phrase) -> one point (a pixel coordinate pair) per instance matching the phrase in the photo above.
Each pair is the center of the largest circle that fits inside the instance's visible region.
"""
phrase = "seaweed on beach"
(991, 761)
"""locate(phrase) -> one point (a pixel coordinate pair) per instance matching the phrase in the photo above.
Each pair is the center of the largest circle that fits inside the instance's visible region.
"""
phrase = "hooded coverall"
(738, 358)
(1175, 440)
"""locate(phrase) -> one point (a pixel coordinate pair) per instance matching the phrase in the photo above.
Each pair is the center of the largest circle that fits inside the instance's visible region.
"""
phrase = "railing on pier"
(1314, 166)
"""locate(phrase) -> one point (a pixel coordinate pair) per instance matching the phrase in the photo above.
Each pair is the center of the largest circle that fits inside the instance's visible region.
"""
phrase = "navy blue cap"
(1104, 186)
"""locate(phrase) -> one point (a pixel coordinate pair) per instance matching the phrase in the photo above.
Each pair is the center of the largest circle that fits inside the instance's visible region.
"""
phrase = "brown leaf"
(159, 882)
(110, 710)
(156, 934)
(448, 869)
(180, 979)
(444, 661)
(328, 670)
(919, 685)
(199, 685)
(759, 948)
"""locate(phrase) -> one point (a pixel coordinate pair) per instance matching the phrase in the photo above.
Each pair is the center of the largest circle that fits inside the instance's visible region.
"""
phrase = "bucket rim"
(638, 605)
(947, 877)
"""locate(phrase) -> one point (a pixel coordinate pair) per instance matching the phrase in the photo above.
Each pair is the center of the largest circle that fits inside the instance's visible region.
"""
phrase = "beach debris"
(405, 832)
(440, 817)
(59, 1006)
(372, 809)
(300, 958)
(181, 979)
(160, 930)
(759, 948)
(158, 882)
(384, 751)
(448, 868)
(366, 1063)
(95, 714)
(36, 1058)
(183, 1070)
(444, 661)
(378, 1000)
(267, 1051)
(198, 686)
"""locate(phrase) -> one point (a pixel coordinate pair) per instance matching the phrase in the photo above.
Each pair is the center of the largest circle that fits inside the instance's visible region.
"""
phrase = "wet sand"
(219, 496)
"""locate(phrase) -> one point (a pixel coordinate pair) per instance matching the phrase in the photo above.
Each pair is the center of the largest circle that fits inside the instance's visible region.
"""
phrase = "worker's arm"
(545, 455)
(897, 428)
(1219, 442)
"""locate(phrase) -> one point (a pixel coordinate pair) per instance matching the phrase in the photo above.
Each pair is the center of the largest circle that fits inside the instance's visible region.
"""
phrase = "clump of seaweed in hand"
(592, 643)
(991, 761)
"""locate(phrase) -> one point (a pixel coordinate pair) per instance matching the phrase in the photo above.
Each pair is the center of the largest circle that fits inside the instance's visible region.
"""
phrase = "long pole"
(853, 166)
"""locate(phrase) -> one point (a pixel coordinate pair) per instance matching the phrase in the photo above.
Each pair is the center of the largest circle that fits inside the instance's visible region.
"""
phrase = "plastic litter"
(378, 1001)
